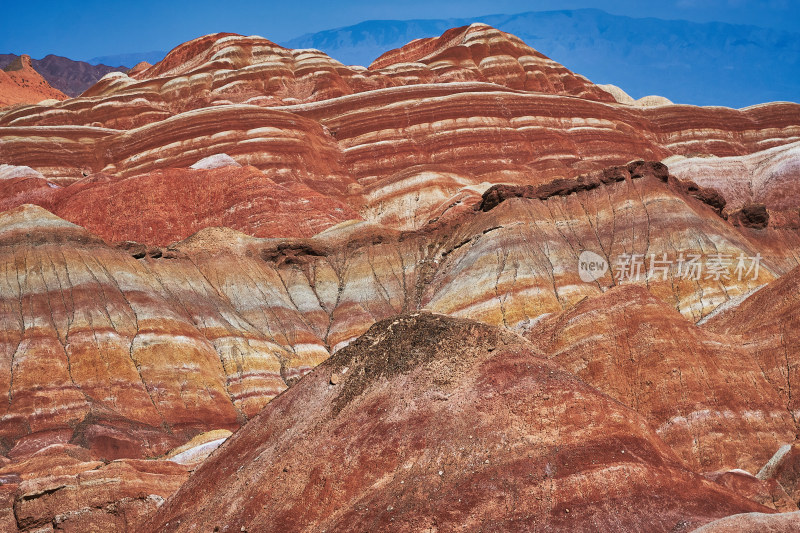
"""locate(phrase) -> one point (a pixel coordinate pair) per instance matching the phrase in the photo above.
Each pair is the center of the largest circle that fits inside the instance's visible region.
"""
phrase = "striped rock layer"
(434, 422)
(182, 244)
(210, 329)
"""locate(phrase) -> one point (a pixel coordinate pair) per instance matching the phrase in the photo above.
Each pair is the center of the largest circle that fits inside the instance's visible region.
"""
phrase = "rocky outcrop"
(66, 75)
(784, 468)
(497, 194)
(769, 492)
(754, 216)
(21, 84)
(765, 177)
(754, 523)
(92, 497)
(698, 390)
(444, 423)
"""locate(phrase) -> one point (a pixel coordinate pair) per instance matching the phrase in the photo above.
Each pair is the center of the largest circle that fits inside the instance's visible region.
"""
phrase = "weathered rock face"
(78, 362)
(768, 322)
(21, 84)
(705, 395)
(92, 496)
(464, 175)
(784, 469)
(199, 335)
(767, 492)
(163, 207)
(766, 177)
(754, 523)
(130, 357)
(438, 422)
(68, 76)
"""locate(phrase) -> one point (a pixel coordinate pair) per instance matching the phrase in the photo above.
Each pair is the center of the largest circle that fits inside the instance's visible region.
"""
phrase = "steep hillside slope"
(699, 390)
(428, 422)
(68, 76)
(21, 84)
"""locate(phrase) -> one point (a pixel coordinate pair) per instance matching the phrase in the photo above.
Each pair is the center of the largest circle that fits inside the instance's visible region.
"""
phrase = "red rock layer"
(767, 177)
(768, 322)
(394, 167)
(128, 351)
(428, 421)
(480, 131)
(482, 53)
(61, 488)
(706, 396)
(754, 523)
(248, 315)
(21, 84)
(767, 492)
(130, 357)
(167, 206)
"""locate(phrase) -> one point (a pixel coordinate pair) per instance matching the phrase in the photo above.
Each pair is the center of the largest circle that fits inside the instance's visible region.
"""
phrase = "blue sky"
(85, 29)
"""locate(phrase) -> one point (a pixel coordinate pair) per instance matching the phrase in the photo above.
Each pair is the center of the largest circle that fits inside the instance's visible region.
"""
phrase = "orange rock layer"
(21, 84)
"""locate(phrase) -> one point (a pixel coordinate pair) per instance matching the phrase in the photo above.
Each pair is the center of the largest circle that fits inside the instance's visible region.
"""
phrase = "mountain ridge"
(588, 40)
(67, 75)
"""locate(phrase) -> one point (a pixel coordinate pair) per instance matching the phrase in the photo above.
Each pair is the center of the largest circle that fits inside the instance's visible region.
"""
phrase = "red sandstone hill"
(433, 423)
(183, 243)
(21, 84)
(767, 322)
(146, 346)
(68, 76)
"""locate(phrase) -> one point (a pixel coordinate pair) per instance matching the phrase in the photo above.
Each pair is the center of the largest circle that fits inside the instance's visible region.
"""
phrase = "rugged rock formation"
(442, 423)
(464, 175)
(21, 84)
(66, 75)
(784, 468)
(59, 492)
(769, 493)
(768, 320)
(705, 395)
(766, 177)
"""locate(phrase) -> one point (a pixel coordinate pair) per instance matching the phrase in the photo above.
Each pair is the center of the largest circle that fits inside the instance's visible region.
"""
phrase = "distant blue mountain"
(129, 59)
(702, 64)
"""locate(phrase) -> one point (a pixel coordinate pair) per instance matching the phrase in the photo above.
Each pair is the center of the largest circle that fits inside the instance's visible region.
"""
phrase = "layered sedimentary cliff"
(184, 243)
